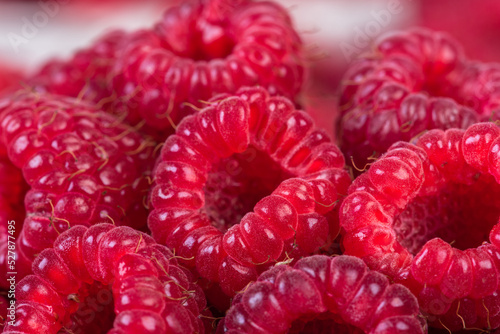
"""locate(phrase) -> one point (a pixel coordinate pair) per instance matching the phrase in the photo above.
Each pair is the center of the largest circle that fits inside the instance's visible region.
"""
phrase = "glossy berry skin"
(288, 299)
(423, 214)
(83, 168)
(203, 48)
(396, 92)
(151, 293)
(246, 151)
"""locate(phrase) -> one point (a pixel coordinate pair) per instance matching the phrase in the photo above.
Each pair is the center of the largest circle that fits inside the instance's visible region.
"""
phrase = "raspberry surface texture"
(82, 166)
(476, 85)
(117, 267)
(244, 183)
(85, 74)
(399, 90)
(321, 294)
(203, 48)
(474, 24)
(427, 215)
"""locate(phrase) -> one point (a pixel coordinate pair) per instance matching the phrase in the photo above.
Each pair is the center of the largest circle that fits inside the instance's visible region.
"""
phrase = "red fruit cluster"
(83, 168)
(395, 92)
(86, 74)
(243, 152)
(247, 188)
(198, 49)
(322, 294)
(151, 292)
(421, 214)
(196, 52)
(476, 86)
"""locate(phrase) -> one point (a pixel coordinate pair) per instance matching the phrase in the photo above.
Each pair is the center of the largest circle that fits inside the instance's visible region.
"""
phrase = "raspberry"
(476, 85)
(83, 168)
(85, 75)
(243, 152)
(417, 201)
(474, 24)
(385, 95)
(151, 293)
(320, 293)
(200, 49)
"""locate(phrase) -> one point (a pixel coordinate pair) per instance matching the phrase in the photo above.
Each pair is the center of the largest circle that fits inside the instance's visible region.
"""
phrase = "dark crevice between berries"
(237, 183)
(95, 312)
(461, 215)
(207, 41)
(322, 324)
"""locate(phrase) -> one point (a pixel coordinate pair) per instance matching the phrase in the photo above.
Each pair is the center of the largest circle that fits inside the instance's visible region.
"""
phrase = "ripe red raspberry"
(85, 75)
(151, 293)
(243, 152)
(423, 214)
(321, 294)
(476, 85)
(395, 92)
(474, 24)
(200, 49)
(82, 165)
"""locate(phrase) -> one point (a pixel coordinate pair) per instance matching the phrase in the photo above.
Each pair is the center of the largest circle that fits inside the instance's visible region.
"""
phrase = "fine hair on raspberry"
(82, 166)
(203, 48)
(119, 268)
(428, 215)
(398, 90)
(246, 182)
(322, 294)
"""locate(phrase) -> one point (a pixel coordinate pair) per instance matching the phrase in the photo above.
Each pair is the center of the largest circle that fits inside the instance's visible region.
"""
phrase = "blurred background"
(32, 32)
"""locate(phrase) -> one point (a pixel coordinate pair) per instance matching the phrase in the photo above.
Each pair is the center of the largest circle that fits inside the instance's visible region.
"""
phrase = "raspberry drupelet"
(203, 48)
(150, 292)
(322, 294)
(399, 90)
(427, 215)
(244, 183)
(82, 166)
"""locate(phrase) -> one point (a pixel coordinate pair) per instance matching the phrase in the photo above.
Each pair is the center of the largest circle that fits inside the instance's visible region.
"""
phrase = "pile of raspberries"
(167, 180)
